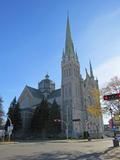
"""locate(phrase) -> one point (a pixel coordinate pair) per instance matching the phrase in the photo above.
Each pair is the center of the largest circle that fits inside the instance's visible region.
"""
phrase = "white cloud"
(101, 37)
(108, 69)
(105, 71)
(115, 13)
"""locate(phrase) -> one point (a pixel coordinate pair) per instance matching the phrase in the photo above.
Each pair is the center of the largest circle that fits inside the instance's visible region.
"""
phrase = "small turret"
(47, 76)
(97, 83)
(77, 57)
(63, 54)
(91, 71)
(87, 75)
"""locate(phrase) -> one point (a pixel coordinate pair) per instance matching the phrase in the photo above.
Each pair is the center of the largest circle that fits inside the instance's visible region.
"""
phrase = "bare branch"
(112, 87)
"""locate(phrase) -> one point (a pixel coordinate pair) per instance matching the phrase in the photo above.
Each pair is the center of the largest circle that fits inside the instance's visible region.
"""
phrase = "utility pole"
(67, 124)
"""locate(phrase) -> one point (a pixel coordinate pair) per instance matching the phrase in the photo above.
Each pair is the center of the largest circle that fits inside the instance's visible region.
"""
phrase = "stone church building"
(74, 96)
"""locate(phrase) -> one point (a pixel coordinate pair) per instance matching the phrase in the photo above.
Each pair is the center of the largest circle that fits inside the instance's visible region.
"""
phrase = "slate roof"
(56, 93)
(27, 109)
(35, 92)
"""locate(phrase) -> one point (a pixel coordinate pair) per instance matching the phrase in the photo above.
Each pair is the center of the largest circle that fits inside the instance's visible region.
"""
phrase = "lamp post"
(113, 127)
(67, 123)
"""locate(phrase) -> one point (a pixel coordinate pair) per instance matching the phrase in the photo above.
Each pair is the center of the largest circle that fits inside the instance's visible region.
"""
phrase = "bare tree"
(112, 87)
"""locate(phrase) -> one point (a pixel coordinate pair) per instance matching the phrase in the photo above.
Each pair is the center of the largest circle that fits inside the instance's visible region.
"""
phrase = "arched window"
(74, 72)
(90, 100)
(69, 71)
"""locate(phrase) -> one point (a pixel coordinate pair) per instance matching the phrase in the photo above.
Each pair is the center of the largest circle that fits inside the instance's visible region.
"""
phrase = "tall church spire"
(91, 71)
(69, 48)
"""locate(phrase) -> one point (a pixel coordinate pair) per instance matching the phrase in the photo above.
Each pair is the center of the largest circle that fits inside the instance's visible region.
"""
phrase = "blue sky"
(32, 35)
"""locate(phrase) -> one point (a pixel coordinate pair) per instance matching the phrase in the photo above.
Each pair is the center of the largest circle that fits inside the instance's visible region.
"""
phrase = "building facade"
(74, 96)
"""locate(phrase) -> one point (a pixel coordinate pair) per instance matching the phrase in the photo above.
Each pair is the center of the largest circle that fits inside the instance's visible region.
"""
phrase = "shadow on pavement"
(73, 155)
(112, 153)
(59, 156)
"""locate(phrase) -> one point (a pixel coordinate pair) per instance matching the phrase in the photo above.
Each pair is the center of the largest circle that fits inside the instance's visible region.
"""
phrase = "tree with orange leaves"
(95, 109)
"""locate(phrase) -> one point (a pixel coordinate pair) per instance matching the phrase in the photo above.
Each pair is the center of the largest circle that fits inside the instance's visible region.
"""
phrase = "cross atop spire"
(47, 76)
(69, 48)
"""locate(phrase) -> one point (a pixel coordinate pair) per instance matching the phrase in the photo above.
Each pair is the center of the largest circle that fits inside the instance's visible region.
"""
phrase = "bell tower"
(70, 86)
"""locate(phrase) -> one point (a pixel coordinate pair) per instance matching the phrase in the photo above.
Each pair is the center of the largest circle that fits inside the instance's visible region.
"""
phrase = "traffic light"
(111, 97)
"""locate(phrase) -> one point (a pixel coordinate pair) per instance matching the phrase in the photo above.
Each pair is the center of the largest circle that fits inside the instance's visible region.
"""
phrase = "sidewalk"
(7, 142)
(111, 154)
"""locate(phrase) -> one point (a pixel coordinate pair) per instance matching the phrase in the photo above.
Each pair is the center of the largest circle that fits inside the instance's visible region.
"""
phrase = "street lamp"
(113, 127)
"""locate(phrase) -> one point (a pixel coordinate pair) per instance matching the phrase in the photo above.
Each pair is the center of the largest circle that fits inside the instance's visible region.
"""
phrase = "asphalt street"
(52, 150)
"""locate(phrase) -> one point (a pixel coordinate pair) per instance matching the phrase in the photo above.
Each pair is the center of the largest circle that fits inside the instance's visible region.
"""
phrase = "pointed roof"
(91, 70)
(35, 92)
(76, 56)
(12, 104)
(69, 48)
(87, 75)
(55, 93)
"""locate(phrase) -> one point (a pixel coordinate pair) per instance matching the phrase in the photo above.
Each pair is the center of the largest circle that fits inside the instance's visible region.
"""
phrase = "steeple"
(87, 75)
(69, 48)
(76, 57)
(91, 71)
